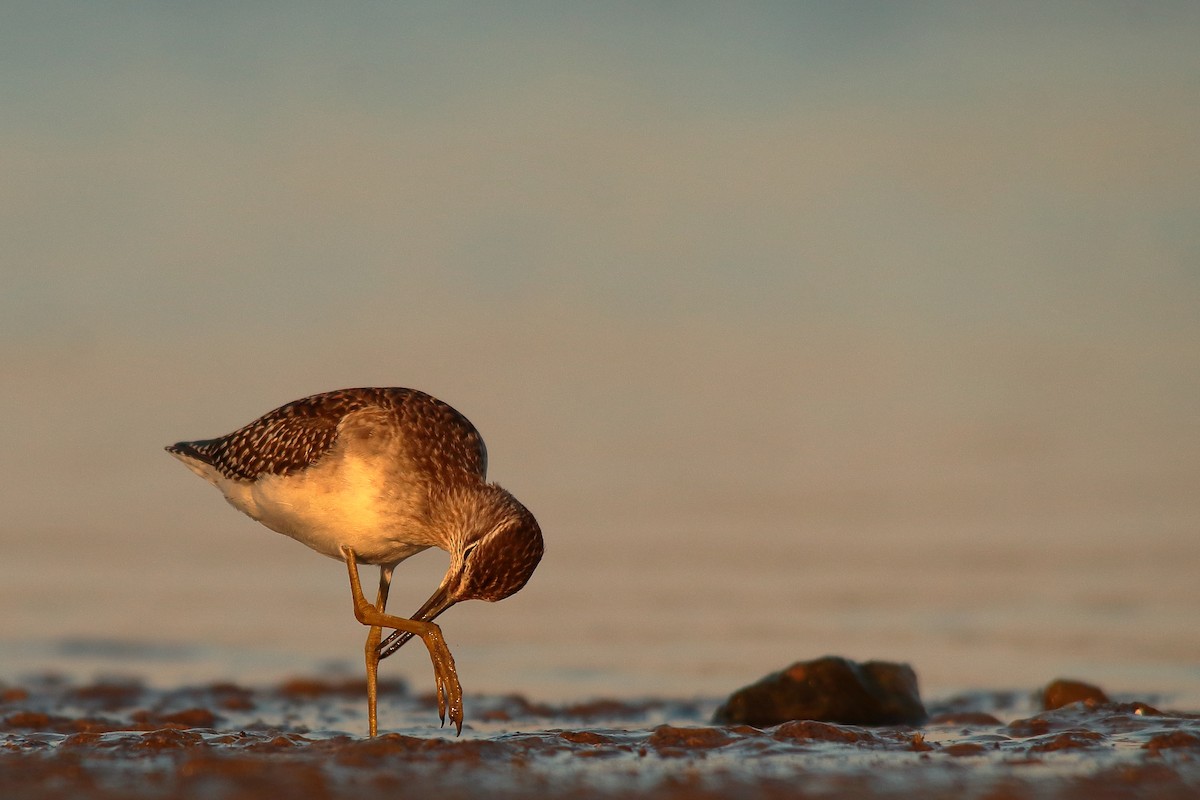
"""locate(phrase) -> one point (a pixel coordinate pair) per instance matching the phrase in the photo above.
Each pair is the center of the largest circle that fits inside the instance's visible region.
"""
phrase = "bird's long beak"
(438, 602)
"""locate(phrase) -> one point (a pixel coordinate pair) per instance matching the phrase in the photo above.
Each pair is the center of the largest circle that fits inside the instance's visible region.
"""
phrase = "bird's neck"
(464, 514)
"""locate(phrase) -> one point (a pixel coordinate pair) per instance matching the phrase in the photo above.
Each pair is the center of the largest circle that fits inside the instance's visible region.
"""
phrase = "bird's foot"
(445, 675)
(449, 690)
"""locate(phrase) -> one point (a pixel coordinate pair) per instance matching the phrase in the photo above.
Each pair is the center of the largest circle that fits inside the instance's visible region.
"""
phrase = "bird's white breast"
(349, 497)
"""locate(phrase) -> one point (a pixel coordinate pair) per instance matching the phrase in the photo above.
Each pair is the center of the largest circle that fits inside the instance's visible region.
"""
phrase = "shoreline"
(305, 736)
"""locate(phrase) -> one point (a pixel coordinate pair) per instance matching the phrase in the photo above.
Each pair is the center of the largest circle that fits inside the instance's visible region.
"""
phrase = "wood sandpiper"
(375, 476)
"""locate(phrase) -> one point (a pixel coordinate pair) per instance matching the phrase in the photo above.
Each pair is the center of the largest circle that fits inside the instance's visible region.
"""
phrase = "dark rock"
(830, 689)
(806, 730)
(1164, 741)
(665, 736)
(1063, 692)
(964, 749)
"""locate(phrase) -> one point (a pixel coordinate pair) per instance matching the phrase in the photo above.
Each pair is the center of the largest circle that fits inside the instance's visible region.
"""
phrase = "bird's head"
(495, 544)
(499, 551)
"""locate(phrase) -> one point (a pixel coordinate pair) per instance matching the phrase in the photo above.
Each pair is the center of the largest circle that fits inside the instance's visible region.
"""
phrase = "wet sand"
(304, 737)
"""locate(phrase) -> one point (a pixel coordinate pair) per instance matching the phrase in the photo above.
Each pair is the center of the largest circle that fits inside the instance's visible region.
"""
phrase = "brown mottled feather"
(442, 442)
(374, 476)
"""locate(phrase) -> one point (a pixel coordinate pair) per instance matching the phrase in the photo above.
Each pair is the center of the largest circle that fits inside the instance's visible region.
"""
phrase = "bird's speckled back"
(439, 442)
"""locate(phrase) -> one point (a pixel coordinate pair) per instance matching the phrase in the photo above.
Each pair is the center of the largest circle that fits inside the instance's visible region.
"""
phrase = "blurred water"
(731, 531)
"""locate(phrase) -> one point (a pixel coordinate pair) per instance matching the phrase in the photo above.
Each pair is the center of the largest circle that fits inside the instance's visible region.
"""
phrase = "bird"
(374, 476)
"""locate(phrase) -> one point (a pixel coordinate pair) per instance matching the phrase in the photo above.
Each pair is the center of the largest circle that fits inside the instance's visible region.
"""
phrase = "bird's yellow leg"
(448, 689)
(372, 649)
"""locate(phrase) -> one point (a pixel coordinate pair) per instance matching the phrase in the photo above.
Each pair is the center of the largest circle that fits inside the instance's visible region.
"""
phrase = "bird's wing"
(281, 442)
(296, 435)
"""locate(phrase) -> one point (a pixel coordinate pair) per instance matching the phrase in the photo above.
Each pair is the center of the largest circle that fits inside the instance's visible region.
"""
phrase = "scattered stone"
(1167, 741)
(52, 745)
(685, 739)
(186, 719)
(830, 689)
(1063, 692)
(803, 730)
(961, 749)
